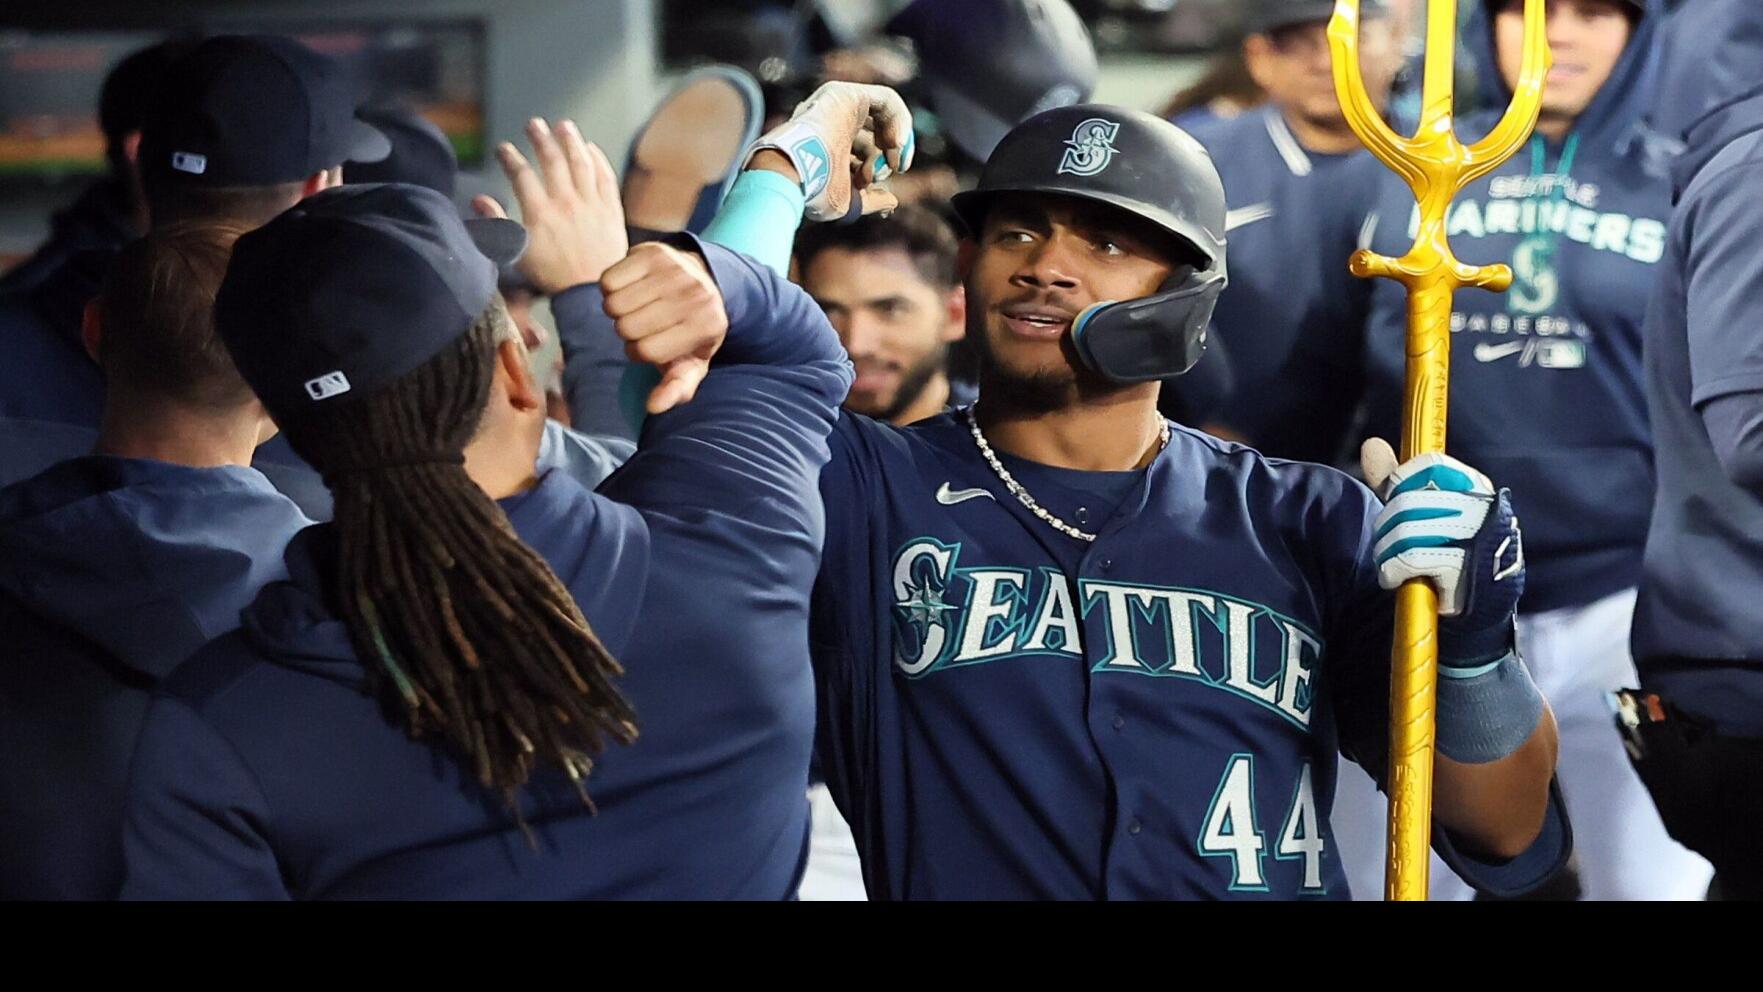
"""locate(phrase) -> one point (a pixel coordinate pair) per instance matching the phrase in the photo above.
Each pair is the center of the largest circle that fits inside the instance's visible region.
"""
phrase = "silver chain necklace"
(1021, 492)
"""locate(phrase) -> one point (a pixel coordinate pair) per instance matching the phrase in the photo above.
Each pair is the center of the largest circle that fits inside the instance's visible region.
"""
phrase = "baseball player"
(691, 567)
(888, 285)
(1284, 164)
(124, 560)
(1067, 649)
(215, 147)
(1546, 396)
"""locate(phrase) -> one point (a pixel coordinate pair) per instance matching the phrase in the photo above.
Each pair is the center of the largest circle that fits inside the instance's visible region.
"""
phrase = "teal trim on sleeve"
(759, 218)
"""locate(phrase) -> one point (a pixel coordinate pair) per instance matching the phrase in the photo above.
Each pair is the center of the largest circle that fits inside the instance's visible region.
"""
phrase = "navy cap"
(1271, 15)
(992, 64)
(354, 287)
(132, 87)
(255, 110)
(421, 153)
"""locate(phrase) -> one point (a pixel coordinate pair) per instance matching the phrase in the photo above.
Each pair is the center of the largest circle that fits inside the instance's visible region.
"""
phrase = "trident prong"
(1436, 166)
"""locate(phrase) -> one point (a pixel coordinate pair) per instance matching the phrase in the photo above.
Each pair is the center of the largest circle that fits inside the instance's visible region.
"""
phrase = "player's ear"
(1258, 58)
(965, 252)
(514, 369)
(955, 314)
(92, 331)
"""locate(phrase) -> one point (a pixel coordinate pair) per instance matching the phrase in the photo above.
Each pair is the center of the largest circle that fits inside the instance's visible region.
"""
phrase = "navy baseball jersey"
(1698, 628)
(1288, 274)
(1009, 712)
(1546, 383)
(264, 771)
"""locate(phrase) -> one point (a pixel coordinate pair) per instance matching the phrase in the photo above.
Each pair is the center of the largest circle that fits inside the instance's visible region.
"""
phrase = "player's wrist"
(772, 160)
(1469, 647)
(1485, 713)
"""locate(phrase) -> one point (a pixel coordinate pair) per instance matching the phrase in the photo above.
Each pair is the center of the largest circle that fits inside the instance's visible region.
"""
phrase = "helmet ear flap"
(1155, 337)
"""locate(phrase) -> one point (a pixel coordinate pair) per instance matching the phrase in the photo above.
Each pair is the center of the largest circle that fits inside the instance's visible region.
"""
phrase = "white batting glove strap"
(807, 151)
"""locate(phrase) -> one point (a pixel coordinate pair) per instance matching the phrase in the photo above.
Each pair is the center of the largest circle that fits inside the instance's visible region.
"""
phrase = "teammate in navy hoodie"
(266, 771)
(1286, 166)
(116, 566)
(1698, 631)
(1546, 396)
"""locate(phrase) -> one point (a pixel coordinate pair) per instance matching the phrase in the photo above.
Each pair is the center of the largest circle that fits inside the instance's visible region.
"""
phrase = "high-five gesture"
(568, 203)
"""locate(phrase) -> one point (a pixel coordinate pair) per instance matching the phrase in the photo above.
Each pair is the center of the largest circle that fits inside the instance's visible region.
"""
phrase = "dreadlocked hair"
(464, 630)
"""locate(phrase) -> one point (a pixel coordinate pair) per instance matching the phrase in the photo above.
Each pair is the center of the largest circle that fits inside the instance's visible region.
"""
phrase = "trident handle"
(1436, 166)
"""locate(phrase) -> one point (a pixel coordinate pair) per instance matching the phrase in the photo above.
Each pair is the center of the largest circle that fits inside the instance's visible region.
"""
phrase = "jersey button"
(1106, 564)
(1134, 827)
(1119, 721)
(1083, 515)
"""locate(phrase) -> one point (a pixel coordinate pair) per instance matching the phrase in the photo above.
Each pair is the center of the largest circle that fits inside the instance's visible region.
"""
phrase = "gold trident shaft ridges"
(1436, 166)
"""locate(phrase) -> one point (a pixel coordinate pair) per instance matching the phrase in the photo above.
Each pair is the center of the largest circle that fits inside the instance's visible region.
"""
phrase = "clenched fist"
(666, 307)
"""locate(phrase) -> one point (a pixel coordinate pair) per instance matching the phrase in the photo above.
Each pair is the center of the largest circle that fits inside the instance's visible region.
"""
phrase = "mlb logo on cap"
(327, 385)
(189, 162)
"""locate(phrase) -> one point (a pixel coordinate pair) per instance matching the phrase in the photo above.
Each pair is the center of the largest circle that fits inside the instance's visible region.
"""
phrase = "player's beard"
(1045, 389)
(914, 381)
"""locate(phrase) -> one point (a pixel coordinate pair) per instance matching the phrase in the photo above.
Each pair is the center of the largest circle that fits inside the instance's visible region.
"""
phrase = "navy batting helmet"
(1151, 169)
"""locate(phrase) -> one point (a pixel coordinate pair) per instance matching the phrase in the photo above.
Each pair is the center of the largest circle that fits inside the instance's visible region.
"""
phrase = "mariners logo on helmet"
(1090, 149)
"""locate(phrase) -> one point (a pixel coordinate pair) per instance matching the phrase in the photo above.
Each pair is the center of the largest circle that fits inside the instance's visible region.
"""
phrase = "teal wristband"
(1487, 712)
(759, 217)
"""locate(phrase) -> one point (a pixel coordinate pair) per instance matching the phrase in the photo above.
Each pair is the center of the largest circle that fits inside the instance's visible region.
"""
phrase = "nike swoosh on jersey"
(1495, 352)
(1244, 216)
(949, 497)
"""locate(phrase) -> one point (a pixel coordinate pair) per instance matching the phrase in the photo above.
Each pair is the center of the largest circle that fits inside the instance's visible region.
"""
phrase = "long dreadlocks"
(465, 631)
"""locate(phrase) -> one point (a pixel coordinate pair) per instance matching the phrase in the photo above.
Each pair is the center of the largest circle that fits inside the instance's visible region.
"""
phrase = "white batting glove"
(1434, 507)
(842, 140)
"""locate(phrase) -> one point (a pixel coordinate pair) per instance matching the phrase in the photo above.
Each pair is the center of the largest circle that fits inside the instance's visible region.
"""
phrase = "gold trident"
(1436, 167)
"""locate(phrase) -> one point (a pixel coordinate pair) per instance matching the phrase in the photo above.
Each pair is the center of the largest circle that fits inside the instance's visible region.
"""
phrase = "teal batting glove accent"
(1438, 477)
(1398, 548)
(882, 171)
(1410, 516)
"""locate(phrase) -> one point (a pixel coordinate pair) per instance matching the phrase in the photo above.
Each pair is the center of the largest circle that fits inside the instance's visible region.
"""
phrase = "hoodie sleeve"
(1723, 268)
(755, 436)
(196, 824)
(593, 362)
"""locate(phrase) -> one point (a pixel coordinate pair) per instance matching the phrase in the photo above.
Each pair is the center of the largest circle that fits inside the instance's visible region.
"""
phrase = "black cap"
(132, 87)
(255, 110)
(421, 153)
(1271, 15)
(1128, 159)
(353, 288)
(992, 64)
